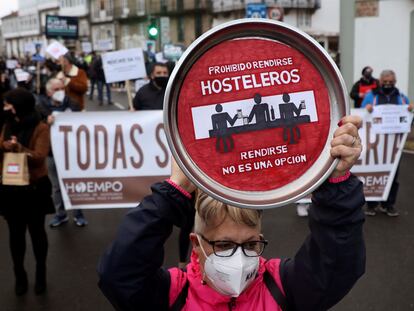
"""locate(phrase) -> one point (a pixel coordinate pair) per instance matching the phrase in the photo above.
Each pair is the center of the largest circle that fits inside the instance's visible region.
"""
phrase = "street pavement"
(388, 283)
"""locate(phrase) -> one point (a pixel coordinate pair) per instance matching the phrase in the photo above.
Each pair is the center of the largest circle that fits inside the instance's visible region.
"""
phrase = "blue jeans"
(100, 91)
(56, 193)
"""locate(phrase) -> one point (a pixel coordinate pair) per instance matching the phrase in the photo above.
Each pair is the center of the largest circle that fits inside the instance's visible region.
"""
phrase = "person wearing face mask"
(227, 270)
(387, 93)
(363, 86)
(57, 101)
(74, 79)
(151, 95)
(25, 207)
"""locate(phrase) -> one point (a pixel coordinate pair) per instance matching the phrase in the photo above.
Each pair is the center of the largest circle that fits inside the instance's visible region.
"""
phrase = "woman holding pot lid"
(227, 271)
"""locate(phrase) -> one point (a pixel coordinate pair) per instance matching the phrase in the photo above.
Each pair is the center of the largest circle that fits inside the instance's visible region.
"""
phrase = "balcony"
(172, 7)
(129, 9)
(219, 6)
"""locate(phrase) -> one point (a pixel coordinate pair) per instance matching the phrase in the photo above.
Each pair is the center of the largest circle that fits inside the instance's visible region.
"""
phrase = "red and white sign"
(255, 119)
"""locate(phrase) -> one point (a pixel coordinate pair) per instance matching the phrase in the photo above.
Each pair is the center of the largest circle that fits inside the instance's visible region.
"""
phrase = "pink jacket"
(203, 298)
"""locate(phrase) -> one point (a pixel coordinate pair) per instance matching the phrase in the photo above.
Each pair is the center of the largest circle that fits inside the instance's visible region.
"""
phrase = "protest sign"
(253, 128)
(173, 52)
(381, 154)
(86, 47)
(124, 65)
(105, 163)
(62, 26)
(380, 157)
(390, 119)
(56, 49)
(109, 160)
(29, 48)
(21, 75)
(104, 45)
(11, 63)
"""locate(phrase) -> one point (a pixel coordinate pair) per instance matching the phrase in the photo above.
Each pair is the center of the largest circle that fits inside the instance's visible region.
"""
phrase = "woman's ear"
(261, 236)
(194, 240)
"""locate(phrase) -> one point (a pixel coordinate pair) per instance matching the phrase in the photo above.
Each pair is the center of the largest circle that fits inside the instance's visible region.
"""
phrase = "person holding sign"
(25, 206)
(387, 93)
(363, 86)
(74, 79)
(227, 270)
(151, 95)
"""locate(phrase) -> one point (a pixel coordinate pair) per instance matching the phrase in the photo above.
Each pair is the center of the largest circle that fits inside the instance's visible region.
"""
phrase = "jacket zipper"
(232, 303)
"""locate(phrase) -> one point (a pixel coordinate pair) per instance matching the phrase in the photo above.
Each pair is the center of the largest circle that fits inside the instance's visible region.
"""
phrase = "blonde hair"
(212, 213)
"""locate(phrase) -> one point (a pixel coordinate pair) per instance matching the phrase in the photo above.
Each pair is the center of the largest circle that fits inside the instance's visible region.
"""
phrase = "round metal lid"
(249, 111)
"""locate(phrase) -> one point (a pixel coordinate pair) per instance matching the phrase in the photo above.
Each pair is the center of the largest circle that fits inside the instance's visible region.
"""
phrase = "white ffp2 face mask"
(230, 275)
(58, 96)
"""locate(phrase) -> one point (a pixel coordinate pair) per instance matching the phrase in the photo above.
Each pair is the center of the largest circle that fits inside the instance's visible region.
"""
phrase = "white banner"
(380, 156)
(109, 160)
(124, 65)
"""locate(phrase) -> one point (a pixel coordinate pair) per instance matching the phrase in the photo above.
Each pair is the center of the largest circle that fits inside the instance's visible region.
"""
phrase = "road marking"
(119, 106)
(408, 151)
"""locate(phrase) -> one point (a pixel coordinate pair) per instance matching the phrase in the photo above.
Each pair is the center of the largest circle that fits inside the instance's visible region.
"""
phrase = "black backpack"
(269, 281)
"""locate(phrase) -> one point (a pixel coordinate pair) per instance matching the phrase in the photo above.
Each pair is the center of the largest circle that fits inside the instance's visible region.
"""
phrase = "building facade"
(178, 21)
(102, 25)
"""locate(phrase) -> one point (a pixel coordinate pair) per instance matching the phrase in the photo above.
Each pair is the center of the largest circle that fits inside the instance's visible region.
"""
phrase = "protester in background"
(57, 101)
(74, 79)
(387, 93)
(363, 86)
(4, 83)
(92, 75)
(101, 81)
(227, 271)
(151, 95)
(25, 207)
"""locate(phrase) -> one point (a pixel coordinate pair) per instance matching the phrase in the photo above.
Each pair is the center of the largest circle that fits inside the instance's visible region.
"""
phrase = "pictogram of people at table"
(264, 115)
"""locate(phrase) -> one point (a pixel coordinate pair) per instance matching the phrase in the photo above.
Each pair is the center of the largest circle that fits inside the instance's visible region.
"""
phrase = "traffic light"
(153, 30)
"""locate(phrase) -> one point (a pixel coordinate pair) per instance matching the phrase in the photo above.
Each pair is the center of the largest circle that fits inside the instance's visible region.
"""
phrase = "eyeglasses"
(228, 248)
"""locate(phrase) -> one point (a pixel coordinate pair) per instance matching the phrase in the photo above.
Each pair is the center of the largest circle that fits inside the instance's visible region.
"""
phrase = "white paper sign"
(109, 160)
(56, 49)
(104, 45)
(388, 119)
(29, 47)
(21, 75)
(11, 63)
(86, 47)
(124, 65)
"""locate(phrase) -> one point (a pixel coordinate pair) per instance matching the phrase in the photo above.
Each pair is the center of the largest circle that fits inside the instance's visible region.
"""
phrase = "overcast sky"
(7, 6)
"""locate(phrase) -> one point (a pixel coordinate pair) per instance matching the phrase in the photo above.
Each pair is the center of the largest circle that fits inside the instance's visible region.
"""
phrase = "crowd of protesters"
(31, 90)
(26, 112)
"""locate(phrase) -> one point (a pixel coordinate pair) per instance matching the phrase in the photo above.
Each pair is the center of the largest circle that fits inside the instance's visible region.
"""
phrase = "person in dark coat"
(363, 86)
(151, 95)
(25, 207)
(101, 80)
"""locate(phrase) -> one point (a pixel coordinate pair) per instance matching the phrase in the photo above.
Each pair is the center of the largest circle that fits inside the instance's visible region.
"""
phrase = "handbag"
(15, 169)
